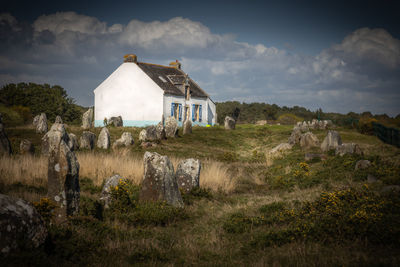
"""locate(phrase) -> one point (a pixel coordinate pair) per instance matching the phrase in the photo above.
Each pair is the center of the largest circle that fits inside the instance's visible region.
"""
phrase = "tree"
(52, 100)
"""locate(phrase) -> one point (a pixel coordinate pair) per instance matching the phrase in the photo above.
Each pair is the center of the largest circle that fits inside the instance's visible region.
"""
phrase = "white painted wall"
(130, 93)
(211, 112)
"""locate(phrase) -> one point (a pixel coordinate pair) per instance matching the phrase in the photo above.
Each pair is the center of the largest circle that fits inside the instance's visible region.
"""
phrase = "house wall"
(211, 112)
(169, 99)
(130, 93)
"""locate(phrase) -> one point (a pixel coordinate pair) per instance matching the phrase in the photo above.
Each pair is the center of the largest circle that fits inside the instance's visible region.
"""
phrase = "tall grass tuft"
(32, 170)
(215, 176)
(100, 166)
(25, 169)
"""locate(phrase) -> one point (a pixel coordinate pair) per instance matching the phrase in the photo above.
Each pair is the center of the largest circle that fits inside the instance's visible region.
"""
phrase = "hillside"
(251, 208)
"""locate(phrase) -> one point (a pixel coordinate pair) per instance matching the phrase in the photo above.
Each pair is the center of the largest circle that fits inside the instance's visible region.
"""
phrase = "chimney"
(130, 58)
(175, 64)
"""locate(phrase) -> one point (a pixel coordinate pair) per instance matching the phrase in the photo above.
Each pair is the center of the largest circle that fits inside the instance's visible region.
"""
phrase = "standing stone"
(160, 131)
(110, 183)
(58, 120)
(304, 127)
(321, 125)
(73, 142)
(188, 174)
(149, 134)
(125, 140)
(187, 127)
(295, 136)
(331, 141)
(104, 139)
(20, 224)
(159, 182)
(5, 146)
(309, 140)
(348, 148)
(63, 173)
(87, 119)
(52, 138)
(41, 127)
(87, 140)
(362, 164)
(230, 123)
(116, 121)
(280, 148)
(36, 120)
(26, 147)
(63, 180)
(171, 127)
(314, 124)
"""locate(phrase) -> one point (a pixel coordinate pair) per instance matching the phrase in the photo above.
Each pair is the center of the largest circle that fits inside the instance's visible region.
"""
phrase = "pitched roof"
(171, 80)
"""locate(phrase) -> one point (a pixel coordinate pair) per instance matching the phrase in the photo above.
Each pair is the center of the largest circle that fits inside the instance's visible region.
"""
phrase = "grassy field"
(252, 209)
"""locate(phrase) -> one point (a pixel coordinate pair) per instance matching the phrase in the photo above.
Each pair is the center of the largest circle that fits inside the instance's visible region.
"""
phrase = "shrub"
(289, 119)
(45, 208)
(365, 125)
(195, 194)
(124, 196)
(90, 207)
(10, 116)
(350, 214)
(152, 213)
(24, 112)
(239, 223)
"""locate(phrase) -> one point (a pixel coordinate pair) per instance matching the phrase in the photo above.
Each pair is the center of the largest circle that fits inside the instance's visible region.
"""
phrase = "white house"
(144, 93)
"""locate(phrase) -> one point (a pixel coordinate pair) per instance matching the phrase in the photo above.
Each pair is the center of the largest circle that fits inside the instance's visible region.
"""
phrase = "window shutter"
(193, 111)
(172, 109)
(200, 113)
(180, 112)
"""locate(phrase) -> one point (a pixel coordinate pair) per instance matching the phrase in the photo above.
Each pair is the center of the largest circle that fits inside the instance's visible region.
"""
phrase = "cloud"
(79, 52)
(71, 21)
(374, 45)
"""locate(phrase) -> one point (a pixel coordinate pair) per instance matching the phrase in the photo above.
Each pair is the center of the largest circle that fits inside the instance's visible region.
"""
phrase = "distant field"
(252, 209)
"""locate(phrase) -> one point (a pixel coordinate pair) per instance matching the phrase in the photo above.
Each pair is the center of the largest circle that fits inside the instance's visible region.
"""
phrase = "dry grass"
(99, 166)
(32, 170)
(215, 176)
(29, 170)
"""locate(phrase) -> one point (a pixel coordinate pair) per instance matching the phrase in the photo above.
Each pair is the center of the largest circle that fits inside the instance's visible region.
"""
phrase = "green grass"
(280, 213)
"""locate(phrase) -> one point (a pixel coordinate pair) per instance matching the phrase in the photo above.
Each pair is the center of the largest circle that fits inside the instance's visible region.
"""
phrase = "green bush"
(289, 119)
(38, 98)
(350, 214)
(238, 223)
(10, 116)
(365, 125)
(195, 194)
(125, 206)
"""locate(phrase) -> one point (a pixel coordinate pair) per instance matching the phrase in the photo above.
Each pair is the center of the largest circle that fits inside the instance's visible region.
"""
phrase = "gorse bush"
(45, 208)
(125, 206)
(344, 215)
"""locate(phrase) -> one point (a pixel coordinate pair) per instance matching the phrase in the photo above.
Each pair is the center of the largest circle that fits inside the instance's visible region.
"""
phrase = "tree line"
(31, 99)
(253, 112)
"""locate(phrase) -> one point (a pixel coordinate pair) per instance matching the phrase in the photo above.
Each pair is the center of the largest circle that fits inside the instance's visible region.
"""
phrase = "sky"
(340, 56)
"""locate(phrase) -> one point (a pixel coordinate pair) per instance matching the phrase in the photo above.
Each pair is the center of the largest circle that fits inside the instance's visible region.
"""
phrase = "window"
(196, 112)
(176, 111)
